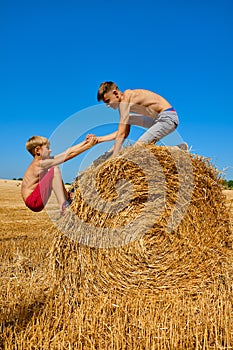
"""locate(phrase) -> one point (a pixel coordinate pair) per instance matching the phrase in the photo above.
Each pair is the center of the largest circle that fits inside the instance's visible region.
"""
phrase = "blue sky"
(54, 55)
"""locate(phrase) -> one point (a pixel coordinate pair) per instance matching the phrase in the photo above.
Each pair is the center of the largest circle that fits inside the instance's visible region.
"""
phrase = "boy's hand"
(91, 140)
(89, 136)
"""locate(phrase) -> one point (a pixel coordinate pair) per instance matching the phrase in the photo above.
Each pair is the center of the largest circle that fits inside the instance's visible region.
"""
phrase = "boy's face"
(112, 99)
(45, 151)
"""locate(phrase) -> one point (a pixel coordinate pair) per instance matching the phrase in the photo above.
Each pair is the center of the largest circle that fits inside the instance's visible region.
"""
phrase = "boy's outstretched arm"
(108, 137)
(105, 138)
(119, 137)
(69, 153)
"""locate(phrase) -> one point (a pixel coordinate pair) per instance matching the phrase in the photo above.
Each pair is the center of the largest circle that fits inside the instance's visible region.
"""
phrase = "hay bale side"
(152, 218)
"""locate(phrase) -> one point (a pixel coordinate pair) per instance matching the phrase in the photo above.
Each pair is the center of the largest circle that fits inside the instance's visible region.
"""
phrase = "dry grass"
(165, 289)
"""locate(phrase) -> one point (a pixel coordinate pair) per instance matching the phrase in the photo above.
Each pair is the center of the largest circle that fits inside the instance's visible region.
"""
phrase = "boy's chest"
(146, 111)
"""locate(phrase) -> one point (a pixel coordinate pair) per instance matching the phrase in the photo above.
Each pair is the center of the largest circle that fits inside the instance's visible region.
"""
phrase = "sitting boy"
(139, 107)
(43, 175)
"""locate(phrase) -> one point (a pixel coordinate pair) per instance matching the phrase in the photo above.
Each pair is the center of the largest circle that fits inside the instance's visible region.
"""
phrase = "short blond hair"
(36, 141)
(105, 88)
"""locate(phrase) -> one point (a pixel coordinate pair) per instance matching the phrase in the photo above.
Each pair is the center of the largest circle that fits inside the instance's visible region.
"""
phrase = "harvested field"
(167, 288)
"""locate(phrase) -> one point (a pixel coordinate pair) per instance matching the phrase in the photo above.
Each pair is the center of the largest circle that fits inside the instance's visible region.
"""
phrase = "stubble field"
(36, 313)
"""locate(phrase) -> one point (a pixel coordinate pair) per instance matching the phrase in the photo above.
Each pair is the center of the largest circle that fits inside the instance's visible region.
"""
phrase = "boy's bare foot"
(65, 205)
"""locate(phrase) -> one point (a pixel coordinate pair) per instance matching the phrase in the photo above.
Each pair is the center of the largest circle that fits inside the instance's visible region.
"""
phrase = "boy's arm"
(108, 137)
(69, 153)
(118, 136)
(123, 127)
(122, 133)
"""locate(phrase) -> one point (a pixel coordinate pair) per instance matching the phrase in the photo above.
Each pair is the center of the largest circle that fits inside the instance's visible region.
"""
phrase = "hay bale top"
(154, 217)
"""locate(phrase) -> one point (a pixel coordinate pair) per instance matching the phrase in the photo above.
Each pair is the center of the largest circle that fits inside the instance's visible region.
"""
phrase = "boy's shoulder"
(35, 164)
(134, 94)
(129, 94)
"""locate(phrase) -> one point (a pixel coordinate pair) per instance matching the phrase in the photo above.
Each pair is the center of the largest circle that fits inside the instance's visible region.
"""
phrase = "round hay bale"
(153, 218)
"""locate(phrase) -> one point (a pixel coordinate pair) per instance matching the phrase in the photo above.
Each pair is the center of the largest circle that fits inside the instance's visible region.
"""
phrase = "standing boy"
(43, 175)
(140, 107)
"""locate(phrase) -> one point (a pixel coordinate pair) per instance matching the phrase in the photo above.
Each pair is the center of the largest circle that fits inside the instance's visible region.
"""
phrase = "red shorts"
(40, 196)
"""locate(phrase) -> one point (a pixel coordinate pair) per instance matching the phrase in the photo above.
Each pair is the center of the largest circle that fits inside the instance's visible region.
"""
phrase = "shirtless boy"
(43, 175)
(140, 107)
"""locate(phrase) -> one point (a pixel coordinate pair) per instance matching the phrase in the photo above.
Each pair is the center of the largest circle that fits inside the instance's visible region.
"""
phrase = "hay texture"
(153, 218)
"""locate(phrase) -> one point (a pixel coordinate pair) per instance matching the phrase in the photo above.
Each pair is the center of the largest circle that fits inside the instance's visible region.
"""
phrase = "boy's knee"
(57, 171)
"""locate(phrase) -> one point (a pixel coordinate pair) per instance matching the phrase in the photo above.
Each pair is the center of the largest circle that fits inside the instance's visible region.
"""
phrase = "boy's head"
(36, 142)
(109, 93)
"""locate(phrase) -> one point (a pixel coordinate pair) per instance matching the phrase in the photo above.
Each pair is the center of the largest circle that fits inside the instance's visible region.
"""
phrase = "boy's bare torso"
(31, 178)
(145, 102)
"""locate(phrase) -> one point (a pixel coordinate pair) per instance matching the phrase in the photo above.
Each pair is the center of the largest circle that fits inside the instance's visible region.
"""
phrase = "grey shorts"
(166, 122)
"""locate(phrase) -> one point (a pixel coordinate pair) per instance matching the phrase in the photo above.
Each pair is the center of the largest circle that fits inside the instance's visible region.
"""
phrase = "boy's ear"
(115, 92)
(37, 150)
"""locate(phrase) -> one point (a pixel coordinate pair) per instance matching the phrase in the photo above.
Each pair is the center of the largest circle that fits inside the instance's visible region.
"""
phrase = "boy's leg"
(165, 124)
(65, 191)
(59, 187)
(39, 197)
